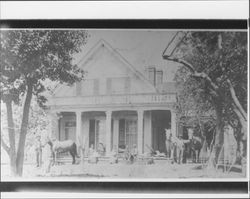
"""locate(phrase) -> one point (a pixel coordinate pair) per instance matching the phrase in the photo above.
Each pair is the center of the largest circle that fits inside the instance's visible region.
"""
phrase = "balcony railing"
(116, 99)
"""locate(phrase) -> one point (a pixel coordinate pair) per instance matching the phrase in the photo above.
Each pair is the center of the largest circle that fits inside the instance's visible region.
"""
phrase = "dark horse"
(61, 147)
(195, 144)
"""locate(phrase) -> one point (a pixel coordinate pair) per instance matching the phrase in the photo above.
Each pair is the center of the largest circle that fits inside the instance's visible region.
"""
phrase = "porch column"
(173, 122)
(108, 131)
(78, 129)
(140, 131)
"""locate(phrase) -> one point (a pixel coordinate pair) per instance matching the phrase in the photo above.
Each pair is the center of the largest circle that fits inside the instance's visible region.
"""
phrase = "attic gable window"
(87, 87)
(127, 84)
(118, 85)
(108, 86)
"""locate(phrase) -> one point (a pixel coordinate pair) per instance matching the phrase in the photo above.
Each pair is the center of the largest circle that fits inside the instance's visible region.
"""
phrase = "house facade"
(115, 105)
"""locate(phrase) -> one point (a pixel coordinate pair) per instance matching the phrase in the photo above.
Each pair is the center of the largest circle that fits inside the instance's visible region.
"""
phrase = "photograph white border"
(208, 9)
(234, 9)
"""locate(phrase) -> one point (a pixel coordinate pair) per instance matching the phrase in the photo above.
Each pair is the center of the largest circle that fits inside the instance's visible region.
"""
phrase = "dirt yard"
(159, 170)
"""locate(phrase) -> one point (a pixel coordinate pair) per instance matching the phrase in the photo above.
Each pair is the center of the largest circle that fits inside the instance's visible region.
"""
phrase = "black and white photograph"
(104, 99)
(119, 104)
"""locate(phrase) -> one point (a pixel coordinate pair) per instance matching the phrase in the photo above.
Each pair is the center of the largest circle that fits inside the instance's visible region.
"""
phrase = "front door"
(127, 133)
(70, 130)
(131, 133)
(97, 133)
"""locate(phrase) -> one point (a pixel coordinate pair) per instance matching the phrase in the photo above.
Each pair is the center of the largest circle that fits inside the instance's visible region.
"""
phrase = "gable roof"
(102, 43)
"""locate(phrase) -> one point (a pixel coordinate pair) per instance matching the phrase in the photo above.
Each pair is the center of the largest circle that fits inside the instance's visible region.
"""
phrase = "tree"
(29, 58)
(38, 124)
(192, 107)
(217, 62)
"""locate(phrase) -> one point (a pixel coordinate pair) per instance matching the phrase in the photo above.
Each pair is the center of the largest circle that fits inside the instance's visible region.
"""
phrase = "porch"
(114, 129)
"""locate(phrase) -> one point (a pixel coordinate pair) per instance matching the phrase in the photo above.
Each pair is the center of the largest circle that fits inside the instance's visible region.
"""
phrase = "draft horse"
(195, 144)
(174, 147)
(62, 147)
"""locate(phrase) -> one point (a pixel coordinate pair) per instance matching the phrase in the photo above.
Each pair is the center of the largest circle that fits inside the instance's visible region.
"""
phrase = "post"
(108, 131)
(79, 130)
(147, 131)
(173, 122)
(140, 132)
(116, 133)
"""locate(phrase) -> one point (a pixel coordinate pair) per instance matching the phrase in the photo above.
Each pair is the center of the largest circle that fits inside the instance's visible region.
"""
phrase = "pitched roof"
(102, 43)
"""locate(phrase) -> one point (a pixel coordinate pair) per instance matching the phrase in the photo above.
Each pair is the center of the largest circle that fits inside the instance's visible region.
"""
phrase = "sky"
(141, 48)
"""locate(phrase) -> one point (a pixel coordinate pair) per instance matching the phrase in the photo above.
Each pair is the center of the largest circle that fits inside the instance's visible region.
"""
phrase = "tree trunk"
(13, 168)
(12, 141)
(23, 131)
(242, 139)
(219, 132)
(242, 116)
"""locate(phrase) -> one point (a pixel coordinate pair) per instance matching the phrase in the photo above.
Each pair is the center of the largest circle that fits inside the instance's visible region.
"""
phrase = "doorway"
(127, 133)
(97, 132)
(161, 120)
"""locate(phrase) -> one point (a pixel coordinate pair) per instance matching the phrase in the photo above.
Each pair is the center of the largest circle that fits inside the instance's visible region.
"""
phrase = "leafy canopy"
(31, 57)
(222, 56)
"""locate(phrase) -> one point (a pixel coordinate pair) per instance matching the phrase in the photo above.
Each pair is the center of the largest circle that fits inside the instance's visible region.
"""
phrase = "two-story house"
(114, 105)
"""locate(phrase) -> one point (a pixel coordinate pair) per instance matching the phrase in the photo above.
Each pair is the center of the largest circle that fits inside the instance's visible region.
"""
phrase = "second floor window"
(118, 85)
(90, 87)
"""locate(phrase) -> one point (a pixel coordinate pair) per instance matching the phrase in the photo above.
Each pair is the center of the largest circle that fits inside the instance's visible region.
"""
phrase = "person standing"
(38, 149)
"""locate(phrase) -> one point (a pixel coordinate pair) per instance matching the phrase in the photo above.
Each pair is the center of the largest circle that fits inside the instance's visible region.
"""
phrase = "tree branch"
(236, 101)
(5, 147)
(181, 61)
(196, 74)
(243, 122)
(207, 78)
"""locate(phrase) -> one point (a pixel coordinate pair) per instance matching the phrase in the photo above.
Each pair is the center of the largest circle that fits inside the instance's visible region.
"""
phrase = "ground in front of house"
(105, 170)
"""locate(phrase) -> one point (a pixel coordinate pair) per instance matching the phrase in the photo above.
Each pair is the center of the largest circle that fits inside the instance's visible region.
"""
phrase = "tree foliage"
(36, 55)
(28, 60)
(38, 122)
(222, 56)
(214, 76)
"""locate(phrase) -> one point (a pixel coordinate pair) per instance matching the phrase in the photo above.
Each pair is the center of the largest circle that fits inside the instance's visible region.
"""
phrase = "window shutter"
(127, 85)
(109, 86)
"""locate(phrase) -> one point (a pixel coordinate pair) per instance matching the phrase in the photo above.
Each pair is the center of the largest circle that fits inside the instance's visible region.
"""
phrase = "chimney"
(159, 77)
(151, 75)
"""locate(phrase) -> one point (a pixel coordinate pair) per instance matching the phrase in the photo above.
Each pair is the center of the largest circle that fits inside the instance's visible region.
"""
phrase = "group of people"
(129, 155)
(43, 155)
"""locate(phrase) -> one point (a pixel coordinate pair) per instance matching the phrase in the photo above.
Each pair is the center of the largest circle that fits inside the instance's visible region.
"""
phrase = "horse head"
(49, 141)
